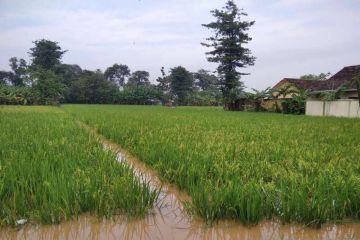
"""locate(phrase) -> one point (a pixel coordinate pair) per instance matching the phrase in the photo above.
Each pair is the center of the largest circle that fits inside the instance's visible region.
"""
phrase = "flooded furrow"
(168, 220)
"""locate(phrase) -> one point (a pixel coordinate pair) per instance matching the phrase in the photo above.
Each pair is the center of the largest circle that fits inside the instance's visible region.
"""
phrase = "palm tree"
(282, 91)
(258, 97)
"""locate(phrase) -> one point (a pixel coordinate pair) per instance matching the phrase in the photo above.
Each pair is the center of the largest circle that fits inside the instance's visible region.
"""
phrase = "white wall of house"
(337, 108)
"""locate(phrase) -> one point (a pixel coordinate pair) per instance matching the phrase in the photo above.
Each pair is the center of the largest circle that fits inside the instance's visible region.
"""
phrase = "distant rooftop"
(334, 82)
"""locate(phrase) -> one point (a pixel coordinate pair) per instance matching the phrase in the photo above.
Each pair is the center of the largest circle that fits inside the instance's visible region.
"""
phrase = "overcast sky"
(290, 37)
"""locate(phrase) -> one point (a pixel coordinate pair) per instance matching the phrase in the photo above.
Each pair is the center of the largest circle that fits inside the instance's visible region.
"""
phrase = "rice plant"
(51, 170)
(243, 166)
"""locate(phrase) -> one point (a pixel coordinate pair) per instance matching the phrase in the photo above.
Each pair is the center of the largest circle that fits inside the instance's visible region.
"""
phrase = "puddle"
(164, 227)
(169, 221)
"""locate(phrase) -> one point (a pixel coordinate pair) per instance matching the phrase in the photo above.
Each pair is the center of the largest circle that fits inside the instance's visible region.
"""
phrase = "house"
(295, 85)
(341, 79)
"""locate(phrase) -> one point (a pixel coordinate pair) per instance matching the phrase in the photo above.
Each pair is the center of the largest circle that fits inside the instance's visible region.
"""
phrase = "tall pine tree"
(227, 44)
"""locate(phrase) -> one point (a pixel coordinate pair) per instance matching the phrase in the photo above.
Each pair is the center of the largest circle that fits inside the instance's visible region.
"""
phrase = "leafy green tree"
(6, 77)
(163, 82)
(68, 73)
(205, 98)
(204, 81)
(117, 74)
(163, 86)
(48, 85)
(141, 95)
(227, 44)
(181, 83)
(46, 54)
(319, 77)
(19, 68)
(93, 88)
(139, 78)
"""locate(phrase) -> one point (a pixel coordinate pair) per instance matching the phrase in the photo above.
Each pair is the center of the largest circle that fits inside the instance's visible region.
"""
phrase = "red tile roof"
(337, 80)
(303, 84)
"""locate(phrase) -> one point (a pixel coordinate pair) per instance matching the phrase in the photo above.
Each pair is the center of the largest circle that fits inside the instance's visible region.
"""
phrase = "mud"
(169, 220)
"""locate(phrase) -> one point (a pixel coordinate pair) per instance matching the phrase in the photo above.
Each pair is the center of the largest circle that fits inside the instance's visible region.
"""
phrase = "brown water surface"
(169, 220)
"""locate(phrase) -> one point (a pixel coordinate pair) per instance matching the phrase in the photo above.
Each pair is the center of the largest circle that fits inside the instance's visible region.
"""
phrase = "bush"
(293, 106)
(140, 95)
(205, 98)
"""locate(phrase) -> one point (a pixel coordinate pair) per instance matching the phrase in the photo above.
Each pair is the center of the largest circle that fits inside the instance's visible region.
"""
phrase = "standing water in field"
(170, 221)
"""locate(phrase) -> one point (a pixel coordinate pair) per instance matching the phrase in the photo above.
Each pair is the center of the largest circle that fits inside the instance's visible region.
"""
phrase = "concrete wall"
(338, 108)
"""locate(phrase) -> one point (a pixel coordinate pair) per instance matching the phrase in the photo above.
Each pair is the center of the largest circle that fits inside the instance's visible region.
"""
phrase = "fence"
(337, 108)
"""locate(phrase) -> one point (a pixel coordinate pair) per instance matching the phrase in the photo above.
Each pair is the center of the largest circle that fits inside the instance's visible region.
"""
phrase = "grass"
(51, 170)
(243, 166)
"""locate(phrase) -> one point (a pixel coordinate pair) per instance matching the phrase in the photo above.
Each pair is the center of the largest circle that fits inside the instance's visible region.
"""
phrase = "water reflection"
(155, 227)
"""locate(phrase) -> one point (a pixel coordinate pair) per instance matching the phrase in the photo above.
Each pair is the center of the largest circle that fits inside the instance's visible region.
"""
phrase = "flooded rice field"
(169, 220)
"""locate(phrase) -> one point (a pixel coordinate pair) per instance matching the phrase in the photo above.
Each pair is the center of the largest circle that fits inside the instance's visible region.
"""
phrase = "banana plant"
(259, 95)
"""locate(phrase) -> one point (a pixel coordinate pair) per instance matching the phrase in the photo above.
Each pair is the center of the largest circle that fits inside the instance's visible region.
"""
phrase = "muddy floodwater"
(168, 220)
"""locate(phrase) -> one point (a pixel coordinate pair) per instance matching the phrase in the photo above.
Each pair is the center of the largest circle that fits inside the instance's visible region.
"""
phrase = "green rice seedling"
(51, 170)
(241, 165)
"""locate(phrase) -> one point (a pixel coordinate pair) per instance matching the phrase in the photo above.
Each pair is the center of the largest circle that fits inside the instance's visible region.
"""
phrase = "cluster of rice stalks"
(51, 169)
(244, 166)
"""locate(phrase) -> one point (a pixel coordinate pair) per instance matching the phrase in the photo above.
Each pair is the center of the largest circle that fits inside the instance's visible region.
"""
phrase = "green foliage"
(68, 73)
(117, 74)
(356, 80)
(295, 105)
(12, 95)
(55, 82)
(282, 92)
(20, 70)
(204, 81)
(244, 166)
(205, 98)
(234, 100)
(93, 88)
(141, 95)
(319, 77)
(48, 85)
(230, 36)
(163, 82)
(46, 54)
(329, 95)
(139, 78)
(258, 97)
(6, 77)
(52, 170)
(181, 83)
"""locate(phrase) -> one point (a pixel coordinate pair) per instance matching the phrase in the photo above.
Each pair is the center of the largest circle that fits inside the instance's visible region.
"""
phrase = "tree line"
(46, 80)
